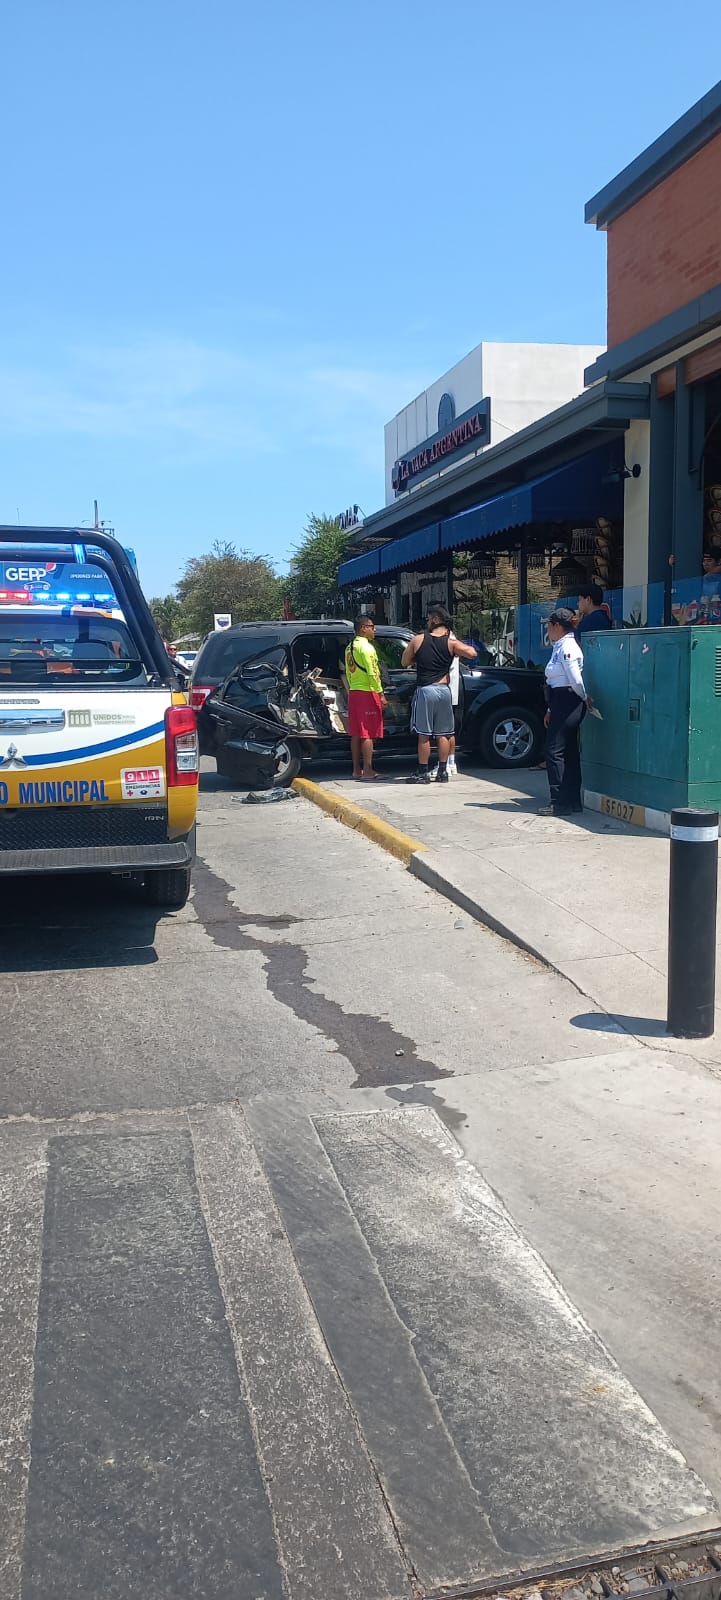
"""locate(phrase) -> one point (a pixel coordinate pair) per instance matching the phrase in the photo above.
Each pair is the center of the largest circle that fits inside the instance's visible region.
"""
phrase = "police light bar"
(52, 578)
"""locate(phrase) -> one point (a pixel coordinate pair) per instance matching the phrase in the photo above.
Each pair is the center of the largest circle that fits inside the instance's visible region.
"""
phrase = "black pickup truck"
(290, 672)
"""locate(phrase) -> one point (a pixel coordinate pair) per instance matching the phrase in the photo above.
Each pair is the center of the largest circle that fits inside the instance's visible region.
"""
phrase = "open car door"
(296, 708)
(244, 738)
(301, 708)
(248, 748)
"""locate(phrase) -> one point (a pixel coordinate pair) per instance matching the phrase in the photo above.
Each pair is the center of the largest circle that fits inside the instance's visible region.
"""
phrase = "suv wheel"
(511, 736)
(289, 764)
(288, 768)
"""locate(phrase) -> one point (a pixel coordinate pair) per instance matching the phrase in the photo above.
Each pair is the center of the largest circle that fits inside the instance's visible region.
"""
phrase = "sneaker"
(421, 776)
(452, 769)
(441, 777)
(546, 811)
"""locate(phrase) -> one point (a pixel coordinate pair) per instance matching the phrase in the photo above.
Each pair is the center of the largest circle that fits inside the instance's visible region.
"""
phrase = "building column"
(687, 531)
(450, 596)
(636, 501)
(660, 486)
(523, 569)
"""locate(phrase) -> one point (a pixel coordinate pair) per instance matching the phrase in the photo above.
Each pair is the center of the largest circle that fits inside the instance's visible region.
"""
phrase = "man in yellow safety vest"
(366, 700)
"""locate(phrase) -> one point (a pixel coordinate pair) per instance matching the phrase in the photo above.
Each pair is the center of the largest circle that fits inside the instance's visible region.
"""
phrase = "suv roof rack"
(297, 622)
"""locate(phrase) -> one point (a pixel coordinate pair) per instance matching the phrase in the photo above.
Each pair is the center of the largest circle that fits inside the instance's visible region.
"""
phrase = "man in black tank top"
(432, 653)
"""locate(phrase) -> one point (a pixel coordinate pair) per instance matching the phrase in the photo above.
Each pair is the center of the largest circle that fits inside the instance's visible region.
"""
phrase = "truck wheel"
(288, 768)
(511, 736)
(289, 765)
(169, 887)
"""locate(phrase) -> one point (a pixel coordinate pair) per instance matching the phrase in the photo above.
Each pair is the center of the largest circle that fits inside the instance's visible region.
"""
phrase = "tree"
(229, 580)
(313, 580)
(168, 615)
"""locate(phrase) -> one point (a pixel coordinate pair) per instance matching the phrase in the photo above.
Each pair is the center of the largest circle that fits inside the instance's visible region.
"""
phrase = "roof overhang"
(661, 339)
(587, 488)
(659, 160)
(594, 417)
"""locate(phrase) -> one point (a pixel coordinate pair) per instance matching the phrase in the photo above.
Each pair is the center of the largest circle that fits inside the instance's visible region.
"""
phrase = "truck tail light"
(198, 696)
(182, 759)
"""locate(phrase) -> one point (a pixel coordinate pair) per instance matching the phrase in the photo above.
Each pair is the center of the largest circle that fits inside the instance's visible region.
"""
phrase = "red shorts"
(365, 714)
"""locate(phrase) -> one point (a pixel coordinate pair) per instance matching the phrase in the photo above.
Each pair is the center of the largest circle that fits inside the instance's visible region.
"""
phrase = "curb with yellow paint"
(398, 844)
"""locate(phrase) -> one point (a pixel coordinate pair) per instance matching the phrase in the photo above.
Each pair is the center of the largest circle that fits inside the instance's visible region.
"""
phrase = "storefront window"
(696, 601)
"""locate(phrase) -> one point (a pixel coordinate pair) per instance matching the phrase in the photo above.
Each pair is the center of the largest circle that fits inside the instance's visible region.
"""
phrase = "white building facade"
(522, 382)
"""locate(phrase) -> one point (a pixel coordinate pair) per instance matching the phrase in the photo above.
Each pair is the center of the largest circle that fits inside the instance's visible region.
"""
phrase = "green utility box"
(659, 693)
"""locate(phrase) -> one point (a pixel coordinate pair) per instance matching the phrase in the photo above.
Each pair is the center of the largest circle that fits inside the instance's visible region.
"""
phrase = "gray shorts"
(432, 711)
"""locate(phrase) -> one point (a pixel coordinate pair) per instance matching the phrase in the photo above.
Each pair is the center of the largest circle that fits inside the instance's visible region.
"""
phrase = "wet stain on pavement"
(379, 1054)
(418, 1094)
(212, 903)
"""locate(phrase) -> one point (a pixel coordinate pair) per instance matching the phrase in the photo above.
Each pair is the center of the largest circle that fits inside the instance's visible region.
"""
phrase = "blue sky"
(238, 237)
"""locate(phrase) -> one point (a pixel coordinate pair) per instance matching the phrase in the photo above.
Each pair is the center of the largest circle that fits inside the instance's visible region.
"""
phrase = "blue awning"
(361, 569)
(574, 493)
(414, 547)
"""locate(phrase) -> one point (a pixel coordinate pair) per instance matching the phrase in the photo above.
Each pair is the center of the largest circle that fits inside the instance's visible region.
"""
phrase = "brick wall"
(667, 248)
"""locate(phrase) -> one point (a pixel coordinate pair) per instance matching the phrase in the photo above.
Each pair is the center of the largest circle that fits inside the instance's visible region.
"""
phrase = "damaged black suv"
(263, 674)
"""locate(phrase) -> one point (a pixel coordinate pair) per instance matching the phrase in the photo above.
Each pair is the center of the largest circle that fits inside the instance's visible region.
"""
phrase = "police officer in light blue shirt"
(567, 704)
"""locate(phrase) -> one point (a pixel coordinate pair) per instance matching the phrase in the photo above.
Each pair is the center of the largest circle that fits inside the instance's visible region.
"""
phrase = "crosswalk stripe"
(23, 1172)
(144, 1477)
(438, 1512)
(566, 1456)
(334, 1533)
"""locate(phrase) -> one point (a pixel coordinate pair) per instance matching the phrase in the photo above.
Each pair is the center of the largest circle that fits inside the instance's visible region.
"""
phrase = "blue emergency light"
(32, 580)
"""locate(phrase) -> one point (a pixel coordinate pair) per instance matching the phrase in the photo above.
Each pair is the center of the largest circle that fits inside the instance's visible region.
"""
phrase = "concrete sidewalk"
(588, 895)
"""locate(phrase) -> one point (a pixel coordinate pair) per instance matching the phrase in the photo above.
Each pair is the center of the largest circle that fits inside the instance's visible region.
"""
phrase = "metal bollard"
(692, 923)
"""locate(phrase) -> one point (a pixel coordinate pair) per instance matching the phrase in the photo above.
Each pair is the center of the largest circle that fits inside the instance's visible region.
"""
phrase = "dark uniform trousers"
(563, 758)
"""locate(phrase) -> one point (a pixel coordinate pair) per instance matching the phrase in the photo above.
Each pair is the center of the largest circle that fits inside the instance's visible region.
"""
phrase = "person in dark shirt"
(432, 654)
(711, 583)
(593, 613)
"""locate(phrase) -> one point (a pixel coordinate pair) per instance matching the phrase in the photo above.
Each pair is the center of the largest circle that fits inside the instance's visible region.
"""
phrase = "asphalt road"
(342, 1252)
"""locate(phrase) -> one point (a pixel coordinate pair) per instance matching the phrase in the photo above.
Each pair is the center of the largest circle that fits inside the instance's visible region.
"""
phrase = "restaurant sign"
(350, 519)
(469, 432)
